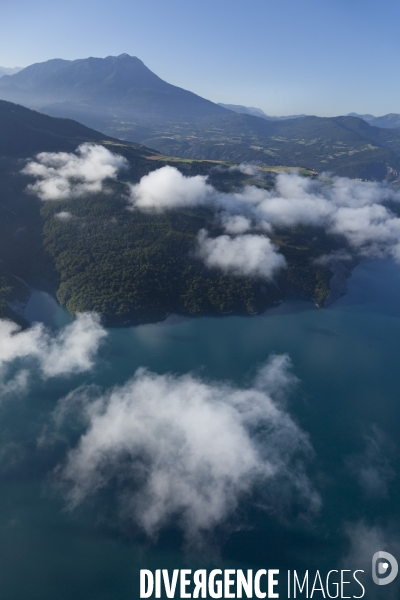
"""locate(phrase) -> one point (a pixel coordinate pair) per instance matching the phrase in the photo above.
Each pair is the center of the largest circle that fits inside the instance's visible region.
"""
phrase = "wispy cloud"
(247, 169)
(69, 351)
(327, 259)
(63, 215)
(178, 449)
(372, 468)
(62, 175)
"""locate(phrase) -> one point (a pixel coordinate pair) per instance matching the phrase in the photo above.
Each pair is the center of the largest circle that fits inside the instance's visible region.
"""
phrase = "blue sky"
(324, 57)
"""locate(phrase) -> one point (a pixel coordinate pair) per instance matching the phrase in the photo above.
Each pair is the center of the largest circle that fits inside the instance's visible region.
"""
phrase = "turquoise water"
(347, 360)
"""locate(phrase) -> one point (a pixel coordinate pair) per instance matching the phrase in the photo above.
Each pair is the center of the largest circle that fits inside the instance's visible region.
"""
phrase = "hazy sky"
(323, 57)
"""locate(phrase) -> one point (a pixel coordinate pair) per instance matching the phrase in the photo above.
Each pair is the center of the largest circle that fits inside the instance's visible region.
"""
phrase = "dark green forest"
(128, 265)
(136, 266)
(132, 266)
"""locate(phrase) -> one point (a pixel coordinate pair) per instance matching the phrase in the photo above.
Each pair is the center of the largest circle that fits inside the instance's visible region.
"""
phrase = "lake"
(346, 358)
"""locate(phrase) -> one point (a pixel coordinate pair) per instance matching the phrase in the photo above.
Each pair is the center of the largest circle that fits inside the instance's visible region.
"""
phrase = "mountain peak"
(122, 84)
(123, 56)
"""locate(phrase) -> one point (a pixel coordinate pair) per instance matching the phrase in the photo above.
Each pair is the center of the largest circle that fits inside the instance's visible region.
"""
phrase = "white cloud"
(182, 450)
(247, 169)
(327, 259)
(71, 350)
(371, 230)
(353, 193)
(342, 206)
(74, 348)
(236, 224)
(63, 215)
(353, 209)
(16, 385)
(247, 255)
(15, 343)
(168, 188)
(251, 255)
(288, 212)
(62, 175)
(276, 377)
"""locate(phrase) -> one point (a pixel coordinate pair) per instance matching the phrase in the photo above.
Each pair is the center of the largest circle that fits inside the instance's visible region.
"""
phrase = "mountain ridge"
(9, 70)
(122, 98)
(257, 112)
(122, 83)
(389, 121)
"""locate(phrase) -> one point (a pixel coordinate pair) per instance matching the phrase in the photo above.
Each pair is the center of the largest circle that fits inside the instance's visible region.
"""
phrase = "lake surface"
(347, 360)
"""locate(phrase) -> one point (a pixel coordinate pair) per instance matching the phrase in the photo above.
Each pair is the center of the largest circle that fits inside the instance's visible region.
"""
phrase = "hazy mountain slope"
(256, 112)
(34, 75)
(389, 121)
(121, 84)
(367, 117)
(24, 132)
(344, 145)
(383, 136)
(9, 71)
(245, 110)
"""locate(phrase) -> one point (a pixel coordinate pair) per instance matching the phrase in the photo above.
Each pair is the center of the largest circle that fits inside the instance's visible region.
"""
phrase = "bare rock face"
(338, 282)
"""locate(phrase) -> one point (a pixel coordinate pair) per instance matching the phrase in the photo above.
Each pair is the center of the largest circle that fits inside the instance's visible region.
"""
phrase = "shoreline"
(338, 286)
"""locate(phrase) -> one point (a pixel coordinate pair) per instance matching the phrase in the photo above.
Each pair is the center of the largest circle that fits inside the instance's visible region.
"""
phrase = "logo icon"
(384, 568)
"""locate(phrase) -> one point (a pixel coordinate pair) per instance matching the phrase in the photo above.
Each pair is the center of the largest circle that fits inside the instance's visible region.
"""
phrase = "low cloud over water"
(172, 450)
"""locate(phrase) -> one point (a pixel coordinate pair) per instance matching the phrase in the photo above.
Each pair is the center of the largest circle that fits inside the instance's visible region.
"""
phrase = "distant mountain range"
(8, 71)
(122, 98)
(346, 146)
(389, 121)
(120, 85)
(256, 112)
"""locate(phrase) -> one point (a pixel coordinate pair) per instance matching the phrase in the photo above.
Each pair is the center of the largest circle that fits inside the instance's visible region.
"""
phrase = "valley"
(122, 98)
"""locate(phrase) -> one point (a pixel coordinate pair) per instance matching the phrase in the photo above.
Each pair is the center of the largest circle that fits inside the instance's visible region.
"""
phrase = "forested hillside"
(130, 266)
(138, 266)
